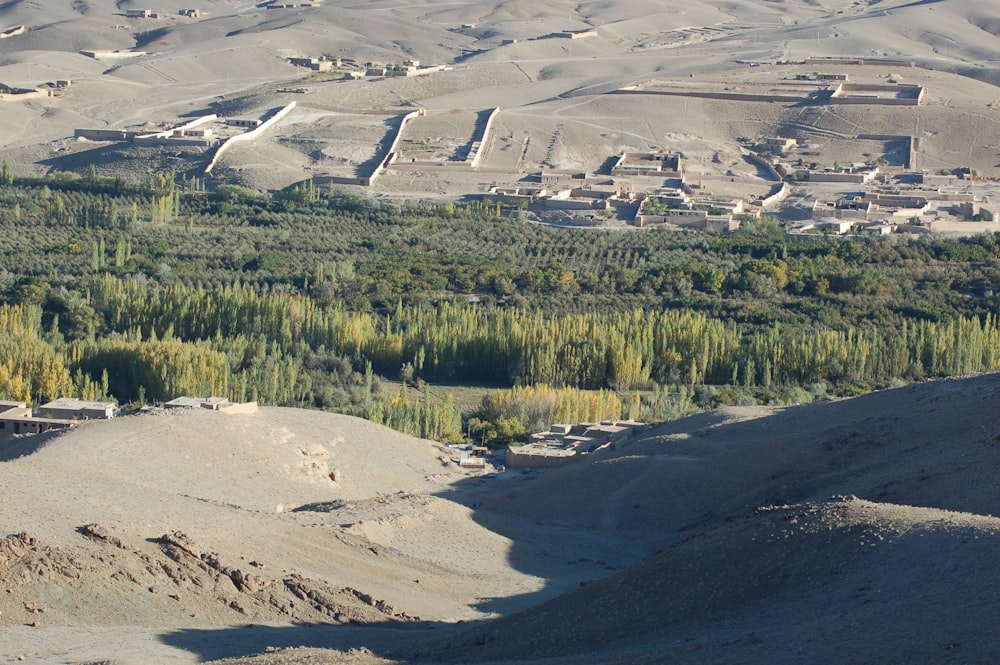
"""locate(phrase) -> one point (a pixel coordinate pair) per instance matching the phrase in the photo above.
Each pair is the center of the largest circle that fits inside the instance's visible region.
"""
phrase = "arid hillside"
(844, 530)
(549, 67)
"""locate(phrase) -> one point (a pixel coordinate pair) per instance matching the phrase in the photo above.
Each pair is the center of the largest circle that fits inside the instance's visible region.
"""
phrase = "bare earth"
(860, 530)
(556, 110)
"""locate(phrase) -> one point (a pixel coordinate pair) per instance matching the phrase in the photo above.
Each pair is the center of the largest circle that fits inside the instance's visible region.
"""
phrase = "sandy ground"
(556, 113)
(732, 536)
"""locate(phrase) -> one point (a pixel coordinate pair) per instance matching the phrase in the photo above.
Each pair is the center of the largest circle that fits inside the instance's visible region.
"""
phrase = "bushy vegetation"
(143, 291)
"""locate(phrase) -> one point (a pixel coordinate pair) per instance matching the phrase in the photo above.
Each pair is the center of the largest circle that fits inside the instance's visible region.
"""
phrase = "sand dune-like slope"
(764, 551)
(202, 519)
(116, 518)
(844, 531)
(844, 580)
(929, 445)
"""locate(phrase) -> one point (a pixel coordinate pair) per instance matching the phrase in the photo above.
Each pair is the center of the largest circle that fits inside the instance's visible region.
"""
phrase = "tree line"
(146, 290)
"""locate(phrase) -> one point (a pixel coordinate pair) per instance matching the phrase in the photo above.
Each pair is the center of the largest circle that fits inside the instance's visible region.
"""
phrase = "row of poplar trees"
(235, 341)
(620, 350)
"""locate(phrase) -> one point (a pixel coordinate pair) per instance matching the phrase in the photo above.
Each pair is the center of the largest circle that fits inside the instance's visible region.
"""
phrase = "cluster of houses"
(407, 68)
(17, 418)
(886, 210)
(205, 131)
(320, 64)
(566, 443)
(677, 204)
(149, 13)
(786, 156)
(681, 201)
(676, 207)
(64, 413)
(890, 199)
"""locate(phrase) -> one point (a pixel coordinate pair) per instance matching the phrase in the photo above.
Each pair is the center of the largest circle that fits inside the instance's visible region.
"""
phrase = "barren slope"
(844, 580)
(763, 553)
(192, 520)
(234, 57)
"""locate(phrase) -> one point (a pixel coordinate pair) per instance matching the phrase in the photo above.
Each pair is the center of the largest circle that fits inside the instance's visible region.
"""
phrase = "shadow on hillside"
(11, 449)
(564, 556)
(482, 120)
(80, 160)
(369, 166)
(126, 157)
(759, 170)
(241, 641)
(567, 551)
(609, 163)
(196, 113)
(567, 548)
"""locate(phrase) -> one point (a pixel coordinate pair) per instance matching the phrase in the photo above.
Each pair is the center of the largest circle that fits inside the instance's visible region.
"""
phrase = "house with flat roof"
(14, 409)
(16, 419)
(900, 94)
(315, 64)
(250, 123)
(565, 443)
(778, 144)
(185, 402)
(579, 199)
(574, 34)
(220, 404)
(71, 408)
(704, 213)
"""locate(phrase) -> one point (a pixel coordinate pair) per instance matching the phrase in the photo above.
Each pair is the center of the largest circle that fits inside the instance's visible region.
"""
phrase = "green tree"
(6, 173)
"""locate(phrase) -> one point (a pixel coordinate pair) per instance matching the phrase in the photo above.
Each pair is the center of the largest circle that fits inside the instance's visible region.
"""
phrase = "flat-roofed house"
(16, 419)
(70, 408)
(185, 402)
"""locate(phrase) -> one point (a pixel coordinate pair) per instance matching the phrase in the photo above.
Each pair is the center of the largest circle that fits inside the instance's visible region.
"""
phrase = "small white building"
(250, 123)
(185, 402)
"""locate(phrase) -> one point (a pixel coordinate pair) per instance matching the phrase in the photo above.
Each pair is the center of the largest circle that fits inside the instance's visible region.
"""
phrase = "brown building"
(16, 419)
(70, 408)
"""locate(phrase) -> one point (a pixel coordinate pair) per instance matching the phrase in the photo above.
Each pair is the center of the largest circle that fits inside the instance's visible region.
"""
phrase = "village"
(821, 161)
(819, 183)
